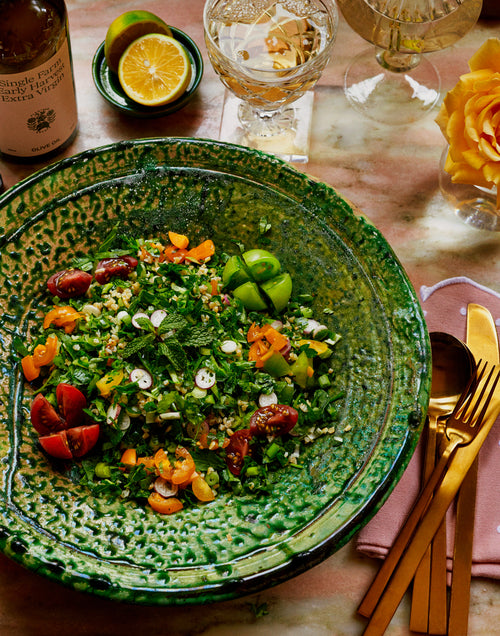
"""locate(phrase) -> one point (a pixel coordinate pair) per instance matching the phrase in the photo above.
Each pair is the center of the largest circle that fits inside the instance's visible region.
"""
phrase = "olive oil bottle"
(38, 113)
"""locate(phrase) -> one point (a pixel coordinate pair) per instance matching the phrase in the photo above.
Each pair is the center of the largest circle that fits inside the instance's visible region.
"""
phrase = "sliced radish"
(123, 316)
(228, 346)
(266, 399)
(204, 378)
(157, 317)
(277, 324)
(113, 413)
(311, 326)
(139, 314)
(165, 488)
(142, 377)
(116, 417)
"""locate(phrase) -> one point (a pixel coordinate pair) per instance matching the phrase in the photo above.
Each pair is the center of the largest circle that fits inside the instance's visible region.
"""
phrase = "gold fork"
(461, 428)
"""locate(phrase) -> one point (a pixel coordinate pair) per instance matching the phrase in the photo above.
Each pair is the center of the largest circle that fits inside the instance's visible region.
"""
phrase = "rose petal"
(487, 56)
(488, 151)
(474, 159)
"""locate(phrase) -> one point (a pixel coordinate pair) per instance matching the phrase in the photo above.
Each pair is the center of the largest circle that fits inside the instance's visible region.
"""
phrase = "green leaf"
(172, 321)
(197, 336)
(137, 345)
(173, 350)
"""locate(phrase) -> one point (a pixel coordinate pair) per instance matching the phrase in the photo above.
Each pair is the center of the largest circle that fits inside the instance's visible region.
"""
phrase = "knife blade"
(444, 495)
(482, 340)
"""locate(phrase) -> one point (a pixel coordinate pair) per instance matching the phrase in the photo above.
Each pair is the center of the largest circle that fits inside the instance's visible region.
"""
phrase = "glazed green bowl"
(234, 545)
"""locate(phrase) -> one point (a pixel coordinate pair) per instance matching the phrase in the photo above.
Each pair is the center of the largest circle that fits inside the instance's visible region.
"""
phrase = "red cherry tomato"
(82, 439)
(237, 449)
(69, 283)
(44, 417)
(114, 267)
(71, 403)
(275, 419)
(71, 443)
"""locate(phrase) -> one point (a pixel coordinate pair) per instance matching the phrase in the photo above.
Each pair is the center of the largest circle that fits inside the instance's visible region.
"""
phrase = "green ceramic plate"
(109, 87)
(231, 546)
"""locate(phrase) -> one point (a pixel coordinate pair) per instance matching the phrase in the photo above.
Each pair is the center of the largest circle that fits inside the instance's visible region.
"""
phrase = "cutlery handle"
(407, 566)
(462, 558)
(419, 616)
(382, 577)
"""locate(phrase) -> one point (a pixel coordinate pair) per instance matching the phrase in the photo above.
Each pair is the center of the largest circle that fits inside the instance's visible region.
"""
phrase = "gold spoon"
(452, 367)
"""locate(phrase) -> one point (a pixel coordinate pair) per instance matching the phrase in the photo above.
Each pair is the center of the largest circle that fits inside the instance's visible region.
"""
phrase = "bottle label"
(38, 107)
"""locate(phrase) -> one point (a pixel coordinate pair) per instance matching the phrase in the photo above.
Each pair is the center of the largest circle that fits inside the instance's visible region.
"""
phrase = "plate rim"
(301, 560)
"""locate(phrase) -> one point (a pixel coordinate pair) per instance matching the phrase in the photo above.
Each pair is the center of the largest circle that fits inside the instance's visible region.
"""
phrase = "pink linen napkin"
(445, 309)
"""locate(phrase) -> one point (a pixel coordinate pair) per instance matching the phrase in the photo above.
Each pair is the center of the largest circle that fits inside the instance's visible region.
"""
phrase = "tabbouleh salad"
(169, 373)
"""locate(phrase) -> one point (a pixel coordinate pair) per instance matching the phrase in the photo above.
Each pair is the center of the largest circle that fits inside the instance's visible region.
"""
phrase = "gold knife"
(482, 340)
(458, 467)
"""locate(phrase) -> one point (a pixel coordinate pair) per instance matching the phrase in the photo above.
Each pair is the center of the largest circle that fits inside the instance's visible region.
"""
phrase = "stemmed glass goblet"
(269, 54)
(396, 84)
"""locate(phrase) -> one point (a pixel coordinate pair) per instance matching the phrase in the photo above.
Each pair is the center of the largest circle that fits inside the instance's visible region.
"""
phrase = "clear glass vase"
(475, 205)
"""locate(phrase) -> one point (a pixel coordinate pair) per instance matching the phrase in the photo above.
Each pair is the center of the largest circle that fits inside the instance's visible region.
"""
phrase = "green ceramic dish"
(108, 85)
(231, 546)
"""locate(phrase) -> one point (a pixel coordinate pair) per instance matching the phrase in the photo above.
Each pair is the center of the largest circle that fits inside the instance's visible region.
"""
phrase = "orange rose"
(470, 120)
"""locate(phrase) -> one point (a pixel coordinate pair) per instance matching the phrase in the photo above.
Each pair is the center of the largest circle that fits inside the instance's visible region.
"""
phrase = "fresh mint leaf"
(172, 321)
(137, 345)
(197, 336)
(173, 350)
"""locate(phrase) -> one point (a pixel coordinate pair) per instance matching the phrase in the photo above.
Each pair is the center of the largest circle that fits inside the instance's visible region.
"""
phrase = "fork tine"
(481, 415)
(474, 402)
(468, 393)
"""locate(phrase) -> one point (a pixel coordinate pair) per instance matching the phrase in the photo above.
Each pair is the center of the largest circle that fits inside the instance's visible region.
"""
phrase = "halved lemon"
(154, 70)
(126, 28)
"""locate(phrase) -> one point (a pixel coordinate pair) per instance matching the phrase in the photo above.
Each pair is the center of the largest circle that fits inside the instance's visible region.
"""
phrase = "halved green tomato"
(278, 290)
(262, 264)
(250, 296)
(235, 273)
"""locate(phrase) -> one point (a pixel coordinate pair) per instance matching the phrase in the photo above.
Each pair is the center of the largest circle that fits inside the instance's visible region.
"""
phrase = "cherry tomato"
(164, 505)
(71, 403)
(162, 464)
(202, 490)
(275, 419)
(237, 449)
(173, 254)
(184, 466)
(262, 264)
(278, 290)
(71, 443)
(62, 317)
(82, 439)
(114, 267)
(44, 354)
(69, 283)
(44, 417)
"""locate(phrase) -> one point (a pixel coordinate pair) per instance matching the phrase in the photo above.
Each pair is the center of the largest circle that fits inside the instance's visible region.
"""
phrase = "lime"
(126, 28)
(154, 70)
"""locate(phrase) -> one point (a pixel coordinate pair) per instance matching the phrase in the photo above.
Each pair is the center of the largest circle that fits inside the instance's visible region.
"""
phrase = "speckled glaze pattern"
(233, 545)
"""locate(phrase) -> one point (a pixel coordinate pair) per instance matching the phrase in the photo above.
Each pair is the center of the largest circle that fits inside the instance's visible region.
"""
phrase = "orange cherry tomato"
(202, 251)
(162, 464)
(44, 354)
(62, 317)
(202, 490)
(179, 240)
(173, 254)
(184, 466)
(148, 463)
(31, 372)
(129, 458)
(164, 505)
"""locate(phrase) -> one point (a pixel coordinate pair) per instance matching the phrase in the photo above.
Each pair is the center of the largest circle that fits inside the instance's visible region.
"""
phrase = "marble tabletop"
(391, 175)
